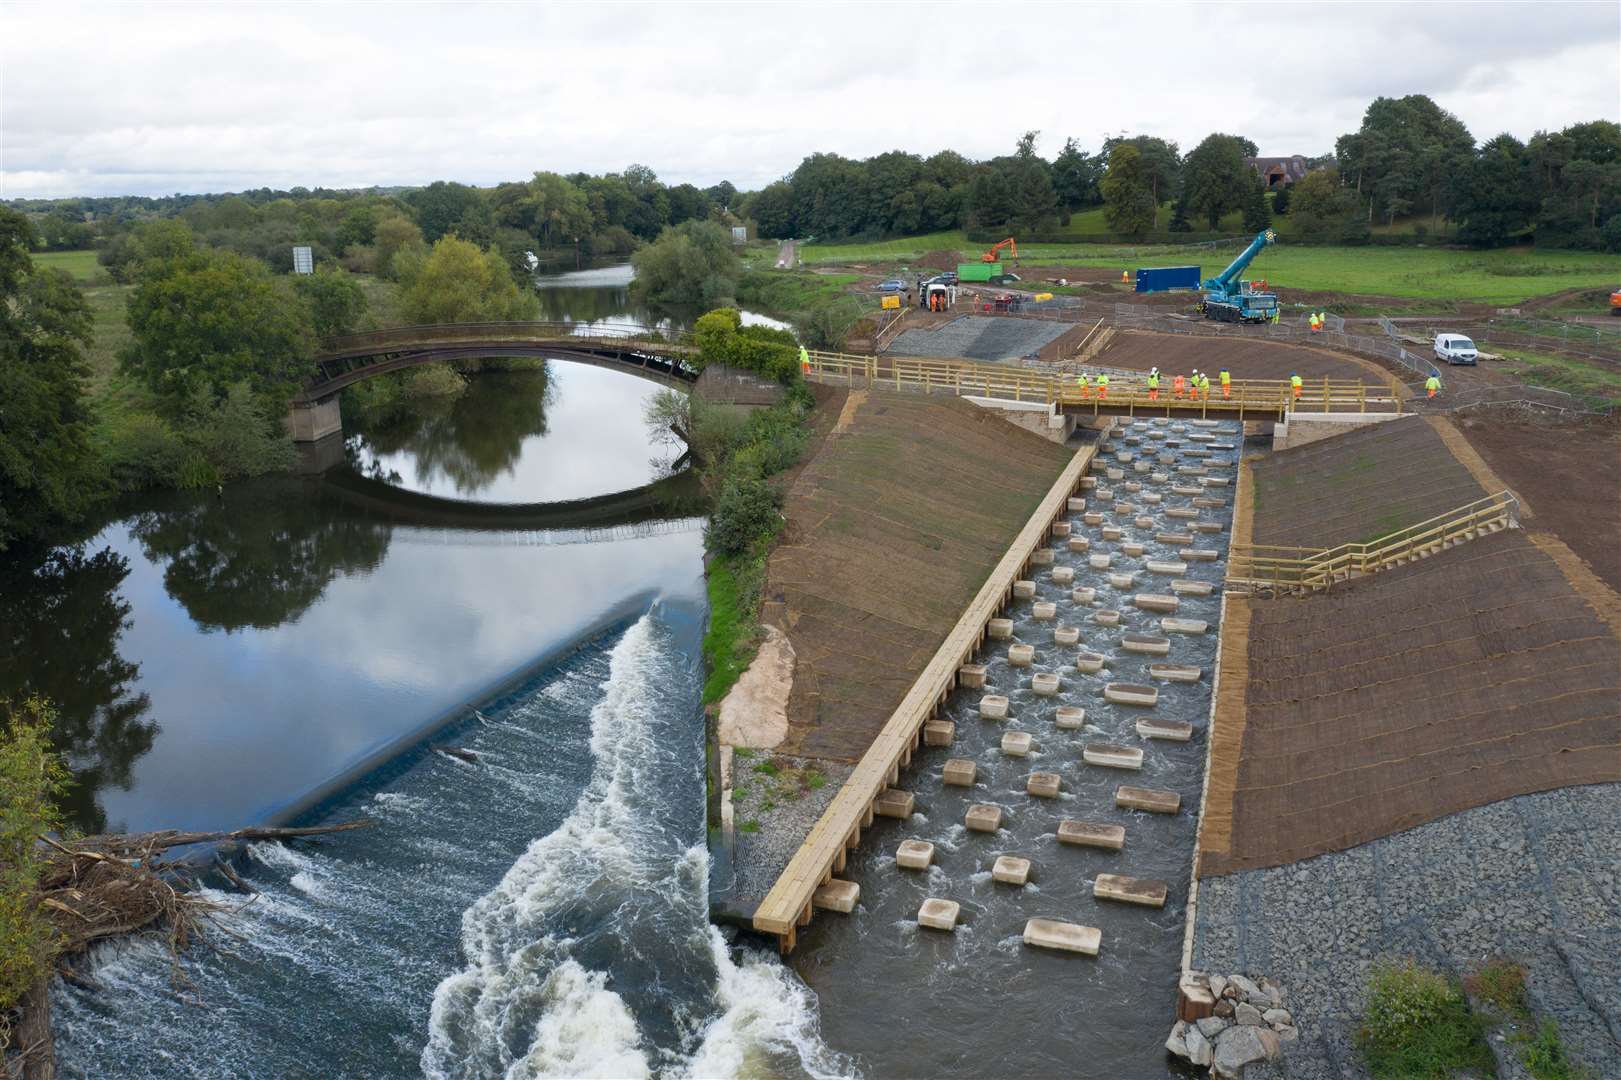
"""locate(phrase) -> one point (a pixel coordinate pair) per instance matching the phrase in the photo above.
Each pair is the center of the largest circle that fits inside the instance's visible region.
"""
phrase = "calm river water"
(284, 653)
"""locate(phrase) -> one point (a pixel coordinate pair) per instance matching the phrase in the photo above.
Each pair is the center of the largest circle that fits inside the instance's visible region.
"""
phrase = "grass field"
(1595, 382)
(1495, 277)
(81, 264)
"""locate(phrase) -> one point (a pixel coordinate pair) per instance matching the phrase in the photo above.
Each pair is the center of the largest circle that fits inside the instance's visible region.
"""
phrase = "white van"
(1455, 349)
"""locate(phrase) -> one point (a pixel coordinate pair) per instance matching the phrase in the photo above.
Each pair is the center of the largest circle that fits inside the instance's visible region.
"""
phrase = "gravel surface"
(785, 807)
(1536, 878)
(981, 337)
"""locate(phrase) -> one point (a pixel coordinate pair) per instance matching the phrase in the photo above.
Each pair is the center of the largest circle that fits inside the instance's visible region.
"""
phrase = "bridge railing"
(442, 333)
(1308, 568)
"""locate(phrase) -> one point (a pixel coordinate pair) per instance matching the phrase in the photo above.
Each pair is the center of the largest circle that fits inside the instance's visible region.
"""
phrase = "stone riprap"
(981, 337)
(1536, 878)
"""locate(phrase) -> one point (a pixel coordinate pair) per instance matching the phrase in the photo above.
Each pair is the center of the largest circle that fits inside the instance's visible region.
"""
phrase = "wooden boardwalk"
(788, 905)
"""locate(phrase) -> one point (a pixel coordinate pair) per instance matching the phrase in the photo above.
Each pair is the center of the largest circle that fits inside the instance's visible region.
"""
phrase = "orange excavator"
(995, 252)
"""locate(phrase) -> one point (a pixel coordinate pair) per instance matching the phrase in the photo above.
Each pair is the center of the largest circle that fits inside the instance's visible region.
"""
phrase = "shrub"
(1545, 1058)
(745, 514)
(1418, 1024)
(32, 778)
(1500, 983)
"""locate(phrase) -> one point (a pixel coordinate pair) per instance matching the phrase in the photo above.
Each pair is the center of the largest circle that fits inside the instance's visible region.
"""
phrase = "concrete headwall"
(1042, 419)
(1304, 428)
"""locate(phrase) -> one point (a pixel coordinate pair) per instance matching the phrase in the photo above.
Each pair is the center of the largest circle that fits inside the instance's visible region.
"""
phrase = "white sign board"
(740, 234)
(303, 261)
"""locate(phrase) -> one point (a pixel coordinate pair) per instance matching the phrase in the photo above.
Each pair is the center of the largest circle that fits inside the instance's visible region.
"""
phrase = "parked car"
(949, 277)
(1455, 349)
(892, 285)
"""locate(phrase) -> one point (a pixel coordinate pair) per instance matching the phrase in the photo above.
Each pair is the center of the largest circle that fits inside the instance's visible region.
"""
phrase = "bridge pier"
(312, 421)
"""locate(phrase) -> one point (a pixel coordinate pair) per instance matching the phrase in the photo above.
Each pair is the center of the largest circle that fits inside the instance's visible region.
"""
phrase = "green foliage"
(723, 339)
(458, 282)
(1545, 1057)
(1417, 1024)
(1257, 214)
(1280, 200)
(691, 263)
(733, 587)
(767, 768)
(1323, 208)
(200, 442)
(396, 239)
(815, 779)
(336, 301)
(32, 778)
(445, 207)
(1127, 194)
(202, 319)
(1501, 984)
(745, 512)
(1215, 179)
(48, 469)
(748, 826)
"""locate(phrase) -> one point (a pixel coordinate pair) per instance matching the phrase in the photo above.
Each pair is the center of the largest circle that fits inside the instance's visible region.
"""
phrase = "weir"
(1053, 665)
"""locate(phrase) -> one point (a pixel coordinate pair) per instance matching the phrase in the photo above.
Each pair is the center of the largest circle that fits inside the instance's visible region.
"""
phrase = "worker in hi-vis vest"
(1103, 386)
(804, 360)
(1177, 384)
(1226, 384)
(1084, 381)
(1313, 321)
(1193, 385)
(1204, 387)
(1294, 383)
(1432, 385)
(1153, 384)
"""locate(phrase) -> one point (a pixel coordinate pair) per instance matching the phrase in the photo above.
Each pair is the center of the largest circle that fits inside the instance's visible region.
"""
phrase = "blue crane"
(1231, 300)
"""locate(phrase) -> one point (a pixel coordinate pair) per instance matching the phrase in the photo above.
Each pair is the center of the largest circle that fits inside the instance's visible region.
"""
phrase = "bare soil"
(1246, 358)
(892, 527)
(1569, 474)
(1468, 677)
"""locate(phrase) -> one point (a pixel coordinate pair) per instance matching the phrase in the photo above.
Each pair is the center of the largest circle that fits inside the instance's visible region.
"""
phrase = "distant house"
(1279, 172)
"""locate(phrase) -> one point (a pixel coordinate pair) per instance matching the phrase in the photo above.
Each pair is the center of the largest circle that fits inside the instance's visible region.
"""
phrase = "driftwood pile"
(113, 885)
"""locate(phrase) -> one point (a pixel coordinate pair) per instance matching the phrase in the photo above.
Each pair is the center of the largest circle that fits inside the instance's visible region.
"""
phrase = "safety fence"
(1308, 569)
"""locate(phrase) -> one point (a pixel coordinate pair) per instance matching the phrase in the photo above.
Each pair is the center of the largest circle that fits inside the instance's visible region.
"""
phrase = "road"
(787, 257)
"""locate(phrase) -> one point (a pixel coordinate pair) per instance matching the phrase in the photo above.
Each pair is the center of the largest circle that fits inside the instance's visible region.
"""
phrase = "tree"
(208, 319)
(1215, 178)
(48, 471)
(1280, 200)
(1498, 197)
(1160, 166)
(445, 206)
(1075, 178)
(1408, 149)
(772, 209)
(395, 234)
(459, 282)
(31, 779)
(1257, 215)
(722, 194)
(1324, 208)
(690, 263)
(1128, 195)
(335, 299)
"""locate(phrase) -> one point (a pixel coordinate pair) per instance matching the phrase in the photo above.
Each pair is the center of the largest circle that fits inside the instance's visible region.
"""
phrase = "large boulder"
(1200, 1051)
(1248, 1015)
(1237, 1047)
(1177, 1043)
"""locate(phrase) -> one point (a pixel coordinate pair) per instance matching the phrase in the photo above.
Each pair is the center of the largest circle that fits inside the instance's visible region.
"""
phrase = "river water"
(285, 654)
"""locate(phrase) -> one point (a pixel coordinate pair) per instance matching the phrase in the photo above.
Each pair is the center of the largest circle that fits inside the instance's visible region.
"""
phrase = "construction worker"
(1153, 384)
(1295, 384)
(1125, 278)
(1204, 387)
(1313, 321)
(1226, 384)
(1432, 385)
(1176, 386)
(804, 360)
(1277, 313)
(1103, 385)
(1084, 381)
(1193, 385)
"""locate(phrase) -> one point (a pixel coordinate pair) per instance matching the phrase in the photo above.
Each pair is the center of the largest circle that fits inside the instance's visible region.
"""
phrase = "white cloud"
(156, 99)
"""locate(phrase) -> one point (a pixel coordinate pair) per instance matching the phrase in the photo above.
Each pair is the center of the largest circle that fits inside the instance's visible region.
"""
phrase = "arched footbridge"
(660, 356)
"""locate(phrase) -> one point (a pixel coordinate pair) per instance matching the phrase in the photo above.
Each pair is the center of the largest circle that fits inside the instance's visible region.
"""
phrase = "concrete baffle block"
(1079, 543)
(1114, 474)
(1153, 498)
(1201, 554)
(1133, 486)
(1192, 588)
(1181, 512)
(1044, 611)
(1168, 730)
(1010, 870)
(1122, 581)
(1091, 834)
(914, 855)
(1215, 481)
(894, 803)
(1104, 494)
(1016, 743)
(1124, 693)
(1021, 655)
(993, 707)
(1184, 489)
(1024, 589)
(939, 733)
(1098, 561)
(1090, 663)
(1130, 890)
(959, 772)
(1149, 644)
(938, 914)
(1106, 617)
(1182, 673)
(1112, 755)
(1111, 532)
(1066, 635)
(1208, 526)
(1183, 626)
(1088, 483)
(1092, 517)
(1133, 549)
(1158, 477)
(1063, 936)
(1168, 567)
(1044, 684)
(983, 817)
(1060, 529)
(1143, 521)
(971, 676)
(1209, 502)
(1149, 799)
(1076, 504)
(1043, 785)
(836, 895)
(1069, 718)
(1083, 594)
(1041, 557)
(1175, 539)
(1156, 602)
(1063, 575)
(999, 629)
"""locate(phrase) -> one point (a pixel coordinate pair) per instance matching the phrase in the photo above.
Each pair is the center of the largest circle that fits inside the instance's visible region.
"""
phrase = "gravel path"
(784, 812)
(1536, 878)
(981, 337)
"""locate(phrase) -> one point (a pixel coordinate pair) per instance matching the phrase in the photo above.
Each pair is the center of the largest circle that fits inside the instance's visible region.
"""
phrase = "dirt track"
(1246, 359)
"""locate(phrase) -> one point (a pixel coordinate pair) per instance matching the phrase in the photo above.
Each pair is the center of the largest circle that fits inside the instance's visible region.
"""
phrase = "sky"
(155, 99)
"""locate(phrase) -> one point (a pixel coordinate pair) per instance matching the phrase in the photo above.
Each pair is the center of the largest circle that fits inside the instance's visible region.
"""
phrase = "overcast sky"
(155, 99)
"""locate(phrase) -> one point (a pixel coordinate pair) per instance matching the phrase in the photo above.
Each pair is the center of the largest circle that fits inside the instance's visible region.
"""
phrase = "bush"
(1418, 1024)
(745, 514)
(1545, 1056)
(32, 778)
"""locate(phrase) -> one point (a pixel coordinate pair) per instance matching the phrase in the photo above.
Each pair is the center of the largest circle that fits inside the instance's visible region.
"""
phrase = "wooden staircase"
(1254, 567)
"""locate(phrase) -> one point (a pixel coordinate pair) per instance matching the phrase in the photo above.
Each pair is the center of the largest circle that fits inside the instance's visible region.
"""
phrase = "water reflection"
(60, 624)
(466, 441)
(257, 557)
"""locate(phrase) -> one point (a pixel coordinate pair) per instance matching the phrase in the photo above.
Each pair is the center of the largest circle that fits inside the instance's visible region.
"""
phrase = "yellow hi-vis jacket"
(1103, 380)
(1226, 379)
(1432, 383)
(1294, 381)
(1153, 382)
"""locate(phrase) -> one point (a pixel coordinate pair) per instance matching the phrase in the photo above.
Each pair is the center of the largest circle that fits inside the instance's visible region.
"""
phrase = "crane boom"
(1224, 280)
(990, 256)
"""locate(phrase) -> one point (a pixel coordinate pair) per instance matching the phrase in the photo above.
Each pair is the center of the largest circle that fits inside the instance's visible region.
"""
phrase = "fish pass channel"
(977, 1001)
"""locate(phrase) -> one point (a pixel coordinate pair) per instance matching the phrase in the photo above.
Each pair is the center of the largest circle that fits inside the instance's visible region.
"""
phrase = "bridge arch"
(313, 415)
